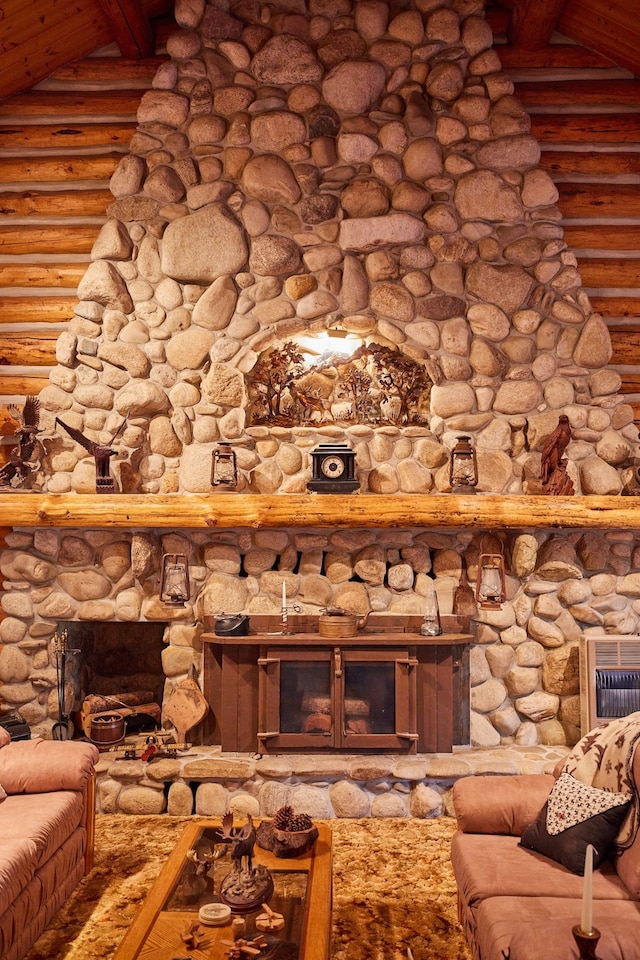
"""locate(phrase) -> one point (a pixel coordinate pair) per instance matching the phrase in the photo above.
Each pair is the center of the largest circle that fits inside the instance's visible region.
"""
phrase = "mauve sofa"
(518, 904)
(46, 833)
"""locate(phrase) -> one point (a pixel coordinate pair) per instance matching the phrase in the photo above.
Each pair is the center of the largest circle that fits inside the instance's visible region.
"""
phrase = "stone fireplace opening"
(114, 668)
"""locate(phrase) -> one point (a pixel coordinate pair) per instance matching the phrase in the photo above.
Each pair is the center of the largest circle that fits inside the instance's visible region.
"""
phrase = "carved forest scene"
(375, 384)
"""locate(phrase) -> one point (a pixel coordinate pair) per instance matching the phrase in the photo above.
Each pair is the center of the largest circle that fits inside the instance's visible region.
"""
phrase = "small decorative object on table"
(249, 884)
(289, 834)
(269, 921)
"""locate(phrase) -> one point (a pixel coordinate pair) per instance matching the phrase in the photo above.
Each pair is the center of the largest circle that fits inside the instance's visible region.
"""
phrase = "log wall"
(62, 140)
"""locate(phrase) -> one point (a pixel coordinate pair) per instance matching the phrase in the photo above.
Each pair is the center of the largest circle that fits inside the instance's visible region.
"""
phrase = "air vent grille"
(609, 678)
(617, 653)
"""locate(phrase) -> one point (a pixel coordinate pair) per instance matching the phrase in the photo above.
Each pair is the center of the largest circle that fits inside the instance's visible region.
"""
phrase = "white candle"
(586, 920)
(284, 600)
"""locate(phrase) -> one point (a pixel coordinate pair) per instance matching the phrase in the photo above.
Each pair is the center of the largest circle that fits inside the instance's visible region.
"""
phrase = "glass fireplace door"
(296, 699)
(337, 698)
(376, 699)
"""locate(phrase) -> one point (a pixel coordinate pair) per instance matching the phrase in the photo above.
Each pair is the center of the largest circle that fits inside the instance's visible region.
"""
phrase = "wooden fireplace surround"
(235, 683)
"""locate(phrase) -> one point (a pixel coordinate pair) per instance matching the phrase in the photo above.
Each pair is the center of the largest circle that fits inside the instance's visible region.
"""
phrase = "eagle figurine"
(553, 448)
(20, 463)
(101, 452)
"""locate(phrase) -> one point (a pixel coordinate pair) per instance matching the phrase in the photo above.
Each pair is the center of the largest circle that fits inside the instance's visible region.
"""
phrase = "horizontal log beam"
(42, 238)
(100, 70)
(556, 55)
(586, 127)
(617, 93)
(616, 306)
(601, 236)
(58, 169)
(66, 275)
(593, 162)
(599, 200)
(609, 272)
(77, 203)
(36, 309)
(317, 510)
(630, 382)
(21, 385)
(39, 136)
(70, 103)
(625, 342)
(22, 351)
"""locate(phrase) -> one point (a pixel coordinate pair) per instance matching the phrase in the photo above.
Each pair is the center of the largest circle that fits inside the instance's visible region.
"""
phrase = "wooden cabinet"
(387, 689)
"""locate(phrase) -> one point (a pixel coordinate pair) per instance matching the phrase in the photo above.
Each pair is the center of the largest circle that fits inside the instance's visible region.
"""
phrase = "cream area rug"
(393, 889)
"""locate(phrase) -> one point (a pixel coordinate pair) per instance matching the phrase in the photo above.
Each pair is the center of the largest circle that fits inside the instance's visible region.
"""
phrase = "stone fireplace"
(302, 170)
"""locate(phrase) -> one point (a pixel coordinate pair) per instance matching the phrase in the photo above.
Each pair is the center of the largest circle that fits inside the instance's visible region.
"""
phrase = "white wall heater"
(609, 678)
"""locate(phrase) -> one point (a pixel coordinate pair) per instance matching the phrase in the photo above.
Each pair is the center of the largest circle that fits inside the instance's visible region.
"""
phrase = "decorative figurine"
(269, 921)
(553, 472)
(20, 465)
(193, 937)
(248, 885)
(102, 453)
(289, 834)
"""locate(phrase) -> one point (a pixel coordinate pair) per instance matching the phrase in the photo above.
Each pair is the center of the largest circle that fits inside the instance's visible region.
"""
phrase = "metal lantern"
(463, 469)
(224, 471)
(174, 581)
(491, 589)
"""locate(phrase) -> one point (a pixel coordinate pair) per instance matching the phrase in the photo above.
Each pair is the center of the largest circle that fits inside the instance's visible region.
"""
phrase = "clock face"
(332, 467)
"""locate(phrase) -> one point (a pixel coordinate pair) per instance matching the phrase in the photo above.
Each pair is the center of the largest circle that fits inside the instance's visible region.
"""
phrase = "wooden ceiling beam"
(131, 28)
(533, 22)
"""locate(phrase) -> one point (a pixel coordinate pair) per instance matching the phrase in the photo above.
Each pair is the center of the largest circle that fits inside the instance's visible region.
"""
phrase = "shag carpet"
(393, 889)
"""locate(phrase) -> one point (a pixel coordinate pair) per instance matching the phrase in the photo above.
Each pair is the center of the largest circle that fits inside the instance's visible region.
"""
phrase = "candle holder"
(284, 618)
(587, 942)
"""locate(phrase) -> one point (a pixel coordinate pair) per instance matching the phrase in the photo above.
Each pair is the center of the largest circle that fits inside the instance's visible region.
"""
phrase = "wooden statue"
(553, 448)
(20, 465)
(249, 884)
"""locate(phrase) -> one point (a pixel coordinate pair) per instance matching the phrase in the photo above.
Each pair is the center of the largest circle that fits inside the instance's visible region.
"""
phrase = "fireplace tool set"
(63, 727)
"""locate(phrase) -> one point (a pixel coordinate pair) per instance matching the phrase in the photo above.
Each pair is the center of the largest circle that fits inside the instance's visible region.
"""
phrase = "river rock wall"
(306, 165)
(524, 665)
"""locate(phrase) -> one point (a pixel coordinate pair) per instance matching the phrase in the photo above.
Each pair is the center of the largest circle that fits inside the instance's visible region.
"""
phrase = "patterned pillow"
(3, 793)
(575, 815)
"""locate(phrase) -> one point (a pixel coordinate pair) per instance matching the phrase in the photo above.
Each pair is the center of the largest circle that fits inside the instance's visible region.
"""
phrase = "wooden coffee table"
(302, 893)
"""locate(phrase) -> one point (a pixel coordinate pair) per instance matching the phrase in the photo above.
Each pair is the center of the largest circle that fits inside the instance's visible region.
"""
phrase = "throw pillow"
(575, 815)
(3, 793)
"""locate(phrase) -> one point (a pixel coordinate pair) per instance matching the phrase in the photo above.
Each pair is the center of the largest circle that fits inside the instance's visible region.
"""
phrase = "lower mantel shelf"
(219, 511)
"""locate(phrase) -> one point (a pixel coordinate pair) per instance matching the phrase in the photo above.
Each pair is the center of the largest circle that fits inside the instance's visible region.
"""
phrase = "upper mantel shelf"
(257, 511)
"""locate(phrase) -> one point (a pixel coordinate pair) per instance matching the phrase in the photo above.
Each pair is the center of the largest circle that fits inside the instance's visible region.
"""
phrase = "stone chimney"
(322, 163)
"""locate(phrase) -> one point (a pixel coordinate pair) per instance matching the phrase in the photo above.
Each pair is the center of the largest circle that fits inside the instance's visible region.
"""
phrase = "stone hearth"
(206, 782)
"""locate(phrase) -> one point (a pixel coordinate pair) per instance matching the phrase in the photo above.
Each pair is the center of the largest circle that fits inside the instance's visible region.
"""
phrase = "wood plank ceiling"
(71, 76)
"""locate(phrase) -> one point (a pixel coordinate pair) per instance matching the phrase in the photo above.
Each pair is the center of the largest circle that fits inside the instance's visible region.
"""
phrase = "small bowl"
(214, 914)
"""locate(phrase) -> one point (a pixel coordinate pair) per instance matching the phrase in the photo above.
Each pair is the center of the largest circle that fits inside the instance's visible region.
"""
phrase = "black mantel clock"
(333, 469)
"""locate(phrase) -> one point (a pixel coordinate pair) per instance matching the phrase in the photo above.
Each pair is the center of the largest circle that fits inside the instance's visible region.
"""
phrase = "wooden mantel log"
(220, 511)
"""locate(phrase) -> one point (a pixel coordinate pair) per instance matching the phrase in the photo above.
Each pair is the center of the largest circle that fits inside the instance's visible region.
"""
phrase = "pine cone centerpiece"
(286, 821)
(289, 834)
